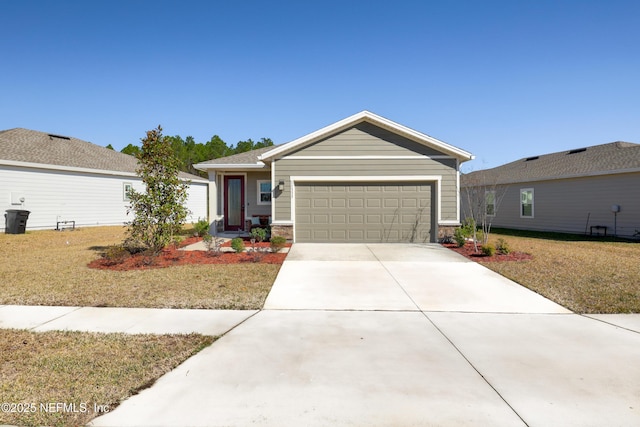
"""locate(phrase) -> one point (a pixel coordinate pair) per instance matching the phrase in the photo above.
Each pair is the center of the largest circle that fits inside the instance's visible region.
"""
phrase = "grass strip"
(68, 378)
(584, 274)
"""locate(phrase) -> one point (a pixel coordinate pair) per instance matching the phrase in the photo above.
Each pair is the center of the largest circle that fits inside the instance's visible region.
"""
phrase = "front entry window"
(264, 192)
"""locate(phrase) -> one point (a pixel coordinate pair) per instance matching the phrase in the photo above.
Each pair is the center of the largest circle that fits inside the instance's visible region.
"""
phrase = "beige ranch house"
(364, 179)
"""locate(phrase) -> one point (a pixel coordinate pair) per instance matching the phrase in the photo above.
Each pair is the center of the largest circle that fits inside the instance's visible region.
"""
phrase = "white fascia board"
(376, 120)
(195, 180)
(65, 168)
(229, 166)
(44, 166)
(367, 178)
(365, 157)
(448, 222)
(283, 222)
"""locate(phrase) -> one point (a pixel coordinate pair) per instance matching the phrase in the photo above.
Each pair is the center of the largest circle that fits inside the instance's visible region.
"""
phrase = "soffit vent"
(51, 136)
(577, 150)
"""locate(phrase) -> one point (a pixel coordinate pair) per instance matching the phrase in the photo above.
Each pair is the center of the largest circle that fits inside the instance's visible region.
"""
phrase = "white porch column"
(213, 196)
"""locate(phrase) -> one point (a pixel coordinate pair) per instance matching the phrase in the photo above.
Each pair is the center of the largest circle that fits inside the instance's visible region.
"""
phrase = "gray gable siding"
(573, 205)
(366, 139)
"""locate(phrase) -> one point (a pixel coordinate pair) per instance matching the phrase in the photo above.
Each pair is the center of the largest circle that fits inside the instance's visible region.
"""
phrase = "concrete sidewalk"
(127, 320)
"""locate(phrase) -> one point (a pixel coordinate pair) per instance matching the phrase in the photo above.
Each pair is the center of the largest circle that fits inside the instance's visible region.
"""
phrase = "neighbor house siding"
(573, 205)
(90, 199)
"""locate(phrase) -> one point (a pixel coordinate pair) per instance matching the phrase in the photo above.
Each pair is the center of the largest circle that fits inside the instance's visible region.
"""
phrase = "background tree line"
(189, 152)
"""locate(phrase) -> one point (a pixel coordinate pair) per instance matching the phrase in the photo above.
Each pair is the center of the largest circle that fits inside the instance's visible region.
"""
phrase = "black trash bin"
(15, 221)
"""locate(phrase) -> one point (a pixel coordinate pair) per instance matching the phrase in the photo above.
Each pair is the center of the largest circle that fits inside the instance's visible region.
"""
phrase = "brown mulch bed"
(468, 251)
(171, 256)
(247, 244)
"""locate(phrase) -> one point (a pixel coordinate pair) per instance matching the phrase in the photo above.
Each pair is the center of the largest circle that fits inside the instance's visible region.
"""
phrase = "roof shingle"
(246, 158)
(598, 159)
(30, 146)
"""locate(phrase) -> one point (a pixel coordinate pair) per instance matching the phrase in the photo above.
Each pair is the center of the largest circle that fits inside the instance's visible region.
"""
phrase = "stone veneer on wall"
(446, 231)
(285, 231)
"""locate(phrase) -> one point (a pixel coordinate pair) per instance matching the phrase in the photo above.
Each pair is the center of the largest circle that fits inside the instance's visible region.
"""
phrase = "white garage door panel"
(368, 213)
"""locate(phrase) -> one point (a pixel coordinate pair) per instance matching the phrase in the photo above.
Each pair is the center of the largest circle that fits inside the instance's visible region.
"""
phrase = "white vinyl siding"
(90, 199)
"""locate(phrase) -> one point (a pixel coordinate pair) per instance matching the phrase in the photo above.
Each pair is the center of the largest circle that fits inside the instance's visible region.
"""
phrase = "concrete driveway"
(402, 335)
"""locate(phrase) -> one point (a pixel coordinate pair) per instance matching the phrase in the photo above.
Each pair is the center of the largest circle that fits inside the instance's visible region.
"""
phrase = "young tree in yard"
(160, 211)
(483, 196)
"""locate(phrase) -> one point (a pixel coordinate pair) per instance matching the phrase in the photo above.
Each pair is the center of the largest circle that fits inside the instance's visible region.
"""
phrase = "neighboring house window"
(126, 188)
(490, 203)
(526, 203)
(264, 192)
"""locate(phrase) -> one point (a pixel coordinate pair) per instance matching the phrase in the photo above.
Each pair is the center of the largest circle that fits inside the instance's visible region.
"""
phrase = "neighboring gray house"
(587, 190)
(59, 178)
(362, 179)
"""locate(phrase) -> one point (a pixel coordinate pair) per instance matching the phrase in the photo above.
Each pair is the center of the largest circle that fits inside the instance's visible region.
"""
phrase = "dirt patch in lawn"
(468, 251)
(172, 256)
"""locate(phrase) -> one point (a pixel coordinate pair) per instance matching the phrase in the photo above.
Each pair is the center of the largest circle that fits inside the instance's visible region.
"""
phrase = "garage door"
(364, 212)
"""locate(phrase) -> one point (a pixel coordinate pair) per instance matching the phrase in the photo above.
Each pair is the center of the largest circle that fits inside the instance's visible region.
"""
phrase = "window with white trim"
(126, 189)
(264, 192)
(490, 203)
(526, 203)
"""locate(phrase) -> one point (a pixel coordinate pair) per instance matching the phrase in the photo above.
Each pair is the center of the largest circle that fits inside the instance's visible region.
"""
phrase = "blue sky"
(501, 79)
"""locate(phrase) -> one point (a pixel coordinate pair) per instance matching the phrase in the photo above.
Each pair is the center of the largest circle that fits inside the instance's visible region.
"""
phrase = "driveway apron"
(402, 335)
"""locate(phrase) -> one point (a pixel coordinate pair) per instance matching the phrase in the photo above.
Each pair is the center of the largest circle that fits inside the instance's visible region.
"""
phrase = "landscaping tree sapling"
(159, 211)
(483, 196)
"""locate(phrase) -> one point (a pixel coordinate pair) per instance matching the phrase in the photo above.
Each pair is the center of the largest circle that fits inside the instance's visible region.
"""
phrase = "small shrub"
(460, 237)
(277, 243)
(237, 244)
(212, 244)
(201, 228)
(116, 254)
(503, 247)
(260, 234)
(488, 249)
(256, 255)
(468, 227)
(135, 246)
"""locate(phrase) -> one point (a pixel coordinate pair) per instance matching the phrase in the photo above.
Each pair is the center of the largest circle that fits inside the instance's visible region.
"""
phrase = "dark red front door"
(233, 202)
